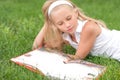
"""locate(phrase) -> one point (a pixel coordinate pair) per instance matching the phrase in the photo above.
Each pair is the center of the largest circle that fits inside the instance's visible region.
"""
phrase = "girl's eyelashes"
(60, 23)
(68, 18)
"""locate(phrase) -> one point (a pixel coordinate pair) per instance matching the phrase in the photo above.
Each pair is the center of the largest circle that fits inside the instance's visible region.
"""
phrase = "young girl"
(66, 23)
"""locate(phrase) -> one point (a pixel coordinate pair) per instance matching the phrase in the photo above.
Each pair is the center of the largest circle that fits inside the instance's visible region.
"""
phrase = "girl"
(66, 23)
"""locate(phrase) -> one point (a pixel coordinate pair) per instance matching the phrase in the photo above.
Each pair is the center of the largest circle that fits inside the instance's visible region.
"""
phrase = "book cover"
(51, 64)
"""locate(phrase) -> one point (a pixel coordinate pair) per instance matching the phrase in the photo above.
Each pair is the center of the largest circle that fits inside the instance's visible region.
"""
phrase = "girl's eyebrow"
(59, 22)
(69, 15)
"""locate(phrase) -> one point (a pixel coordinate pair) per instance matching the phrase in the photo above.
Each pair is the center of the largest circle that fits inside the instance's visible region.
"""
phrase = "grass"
(21, 20)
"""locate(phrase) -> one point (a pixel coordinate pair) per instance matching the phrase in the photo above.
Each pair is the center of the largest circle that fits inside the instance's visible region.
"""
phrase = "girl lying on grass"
(66, 23)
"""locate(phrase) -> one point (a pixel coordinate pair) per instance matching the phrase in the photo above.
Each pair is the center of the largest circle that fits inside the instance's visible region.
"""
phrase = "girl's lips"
(70, 29)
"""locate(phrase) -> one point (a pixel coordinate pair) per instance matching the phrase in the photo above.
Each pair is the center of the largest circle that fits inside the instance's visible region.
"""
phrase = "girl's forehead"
(60, 14)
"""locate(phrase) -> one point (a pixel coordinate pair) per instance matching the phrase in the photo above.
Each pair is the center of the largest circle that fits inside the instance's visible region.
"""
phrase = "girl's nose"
(67, 24)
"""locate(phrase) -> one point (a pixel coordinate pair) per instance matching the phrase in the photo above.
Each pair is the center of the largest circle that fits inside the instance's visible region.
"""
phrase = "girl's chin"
(71, 33)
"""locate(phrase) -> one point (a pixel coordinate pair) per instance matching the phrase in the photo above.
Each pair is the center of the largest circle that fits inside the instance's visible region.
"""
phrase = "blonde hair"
(53, 36)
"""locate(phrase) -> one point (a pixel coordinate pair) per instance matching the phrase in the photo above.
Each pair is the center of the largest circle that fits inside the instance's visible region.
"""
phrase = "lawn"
(21, 20)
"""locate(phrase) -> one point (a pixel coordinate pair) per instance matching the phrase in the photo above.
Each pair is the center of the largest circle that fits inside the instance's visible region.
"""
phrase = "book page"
(52, 64)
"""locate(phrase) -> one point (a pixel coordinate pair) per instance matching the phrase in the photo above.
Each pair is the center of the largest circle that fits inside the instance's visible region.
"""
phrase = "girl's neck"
(73, 38)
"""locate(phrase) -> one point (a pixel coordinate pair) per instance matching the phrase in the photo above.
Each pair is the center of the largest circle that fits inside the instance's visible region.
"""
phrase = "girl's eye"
(69, 18)
(60, 23)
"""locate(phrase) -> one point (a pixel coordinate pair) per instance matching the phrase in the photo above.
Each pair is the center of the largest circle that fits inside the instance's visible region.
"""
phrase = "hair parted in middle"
(53, 36)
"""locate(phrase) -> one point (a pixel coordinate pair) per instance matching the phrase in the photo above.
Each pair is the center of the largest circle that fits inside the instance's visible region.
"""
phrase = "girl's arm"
(38, 42)
(88, 36)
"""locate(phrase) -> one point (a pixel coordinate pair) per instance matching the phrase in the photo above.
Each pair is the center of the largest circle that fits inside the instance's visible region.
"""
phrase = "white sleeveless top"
(107, 43)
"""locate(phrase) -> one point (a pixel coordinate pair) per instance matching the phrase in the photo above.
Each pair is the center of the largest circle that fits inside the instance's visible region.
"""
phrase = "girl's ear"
(76, 12)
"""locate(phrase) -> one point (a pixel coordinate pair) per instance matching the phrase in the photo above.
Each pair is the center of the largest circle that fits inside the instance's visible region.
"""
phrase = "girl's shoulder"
(91, 27)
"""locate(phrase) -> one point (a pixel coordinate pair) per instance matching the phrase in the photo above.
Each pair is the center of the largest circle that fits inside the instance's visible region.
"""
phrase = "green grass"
(21, 20)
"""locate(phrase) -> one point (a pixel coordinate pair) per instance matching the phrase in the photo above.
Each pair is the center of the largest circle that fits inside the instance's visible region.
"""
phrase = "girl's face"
(65, 19)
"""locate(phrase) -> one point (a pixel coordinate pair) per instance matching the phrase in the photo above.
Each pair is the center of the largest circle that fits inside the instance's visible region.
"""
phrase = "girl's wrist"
(76, 57)
(73, 57)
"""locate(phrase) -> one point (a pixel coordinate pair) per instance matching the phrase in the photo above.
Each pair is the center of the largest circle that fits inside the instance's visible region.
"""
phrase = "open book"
(52, 64)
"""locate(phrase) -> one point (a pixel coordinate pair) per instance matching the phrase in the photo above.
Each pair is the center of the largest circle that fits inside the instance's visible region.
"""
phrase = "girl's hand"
(36, 46)
(71, 57)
